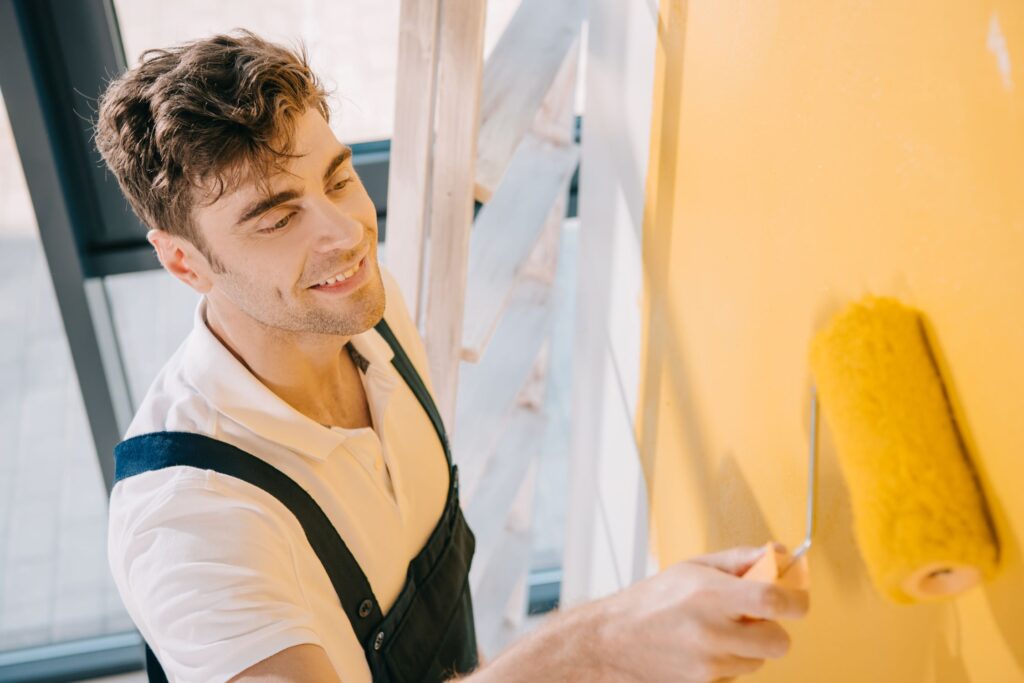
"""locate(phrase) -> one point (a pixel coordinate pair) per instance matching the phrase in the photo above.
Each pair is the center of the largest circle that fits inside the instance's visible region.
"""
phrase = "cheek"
(281, 263)
(273, 269)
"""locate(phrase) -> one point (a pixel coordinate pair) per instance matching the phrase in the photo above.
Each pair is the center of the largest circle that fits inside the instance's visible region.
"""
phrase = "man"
(285, 506)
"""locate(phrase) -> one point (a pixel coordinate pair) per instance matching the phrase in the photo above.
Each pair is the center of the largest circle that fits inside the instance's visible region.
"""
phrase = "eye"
(340, 185)
(278, 225)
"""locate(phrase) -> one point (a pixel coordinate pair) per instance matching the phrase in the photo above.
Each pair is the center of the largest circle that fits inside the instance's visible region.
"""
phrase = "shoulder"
(207, 571)
(171, 403)
(398, 316)
(178, 514)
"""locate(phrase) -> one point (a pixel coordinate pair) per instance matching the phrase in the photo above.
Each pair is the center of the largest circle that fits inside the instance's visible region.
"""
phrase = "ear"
(181, 259)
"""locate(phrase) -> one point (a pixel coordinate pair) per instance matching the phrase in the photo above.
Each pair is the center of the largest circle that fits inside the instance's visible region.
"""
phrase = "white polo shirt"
(216, 573)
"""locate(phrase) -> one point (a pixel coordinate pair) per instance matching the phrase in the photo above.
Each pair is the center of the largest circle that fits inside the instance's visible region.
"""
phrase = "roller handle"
(766, 568)
(794, 572)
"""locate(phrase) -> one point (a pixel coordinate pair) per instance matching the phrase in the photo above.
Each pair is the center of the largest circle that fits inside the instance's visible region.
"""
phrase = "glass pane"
(152, 316)
(352, 44)
(54, 581)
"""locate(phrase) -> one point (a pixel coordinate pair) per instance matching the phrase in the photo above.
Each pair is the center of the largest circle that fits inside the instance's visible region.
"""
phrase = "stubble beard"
(362, 309)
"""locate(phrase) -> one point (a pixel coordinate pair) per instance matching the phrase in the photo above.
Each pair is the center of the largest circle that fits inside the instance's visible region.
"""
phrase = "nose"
(337, 229)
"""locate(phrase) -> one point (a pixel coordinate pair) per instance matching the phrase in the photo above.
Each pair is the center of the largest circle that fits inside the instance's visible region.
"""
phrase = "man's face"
(279, 251)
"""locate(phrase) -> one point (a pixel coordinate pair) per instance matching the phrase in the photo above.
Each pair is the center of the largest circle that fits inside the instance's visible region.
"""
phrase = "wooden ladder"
(479, 281)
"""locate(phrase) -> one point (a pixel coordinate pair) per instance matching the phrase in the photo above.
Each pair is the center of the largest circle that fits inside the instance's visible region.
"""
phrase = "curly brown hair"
(194, 121)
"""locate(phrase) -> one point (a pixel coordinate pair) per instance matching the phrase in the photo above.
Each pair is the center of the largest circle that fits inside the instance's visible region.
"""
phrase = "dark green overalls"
(428, 634)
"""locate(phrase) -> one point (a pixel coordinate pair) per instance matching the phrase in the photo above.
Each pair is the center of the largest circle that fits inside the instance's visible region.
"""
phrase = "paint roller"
(920, 518)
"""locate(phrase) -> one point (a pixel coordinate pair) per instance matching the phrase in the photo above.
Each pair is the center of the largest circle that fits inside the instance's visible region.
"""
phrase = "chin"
(377, 301)
(363, 309)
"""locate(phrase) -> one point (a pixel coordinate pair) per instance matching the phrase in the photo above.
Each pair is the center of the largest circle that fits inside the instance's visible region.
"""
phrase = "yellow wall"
(804, 154)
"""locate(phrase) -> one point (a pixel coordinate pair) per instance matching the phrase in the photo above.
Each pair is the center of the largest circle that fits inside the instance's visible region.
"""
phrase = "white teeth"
(340, 276)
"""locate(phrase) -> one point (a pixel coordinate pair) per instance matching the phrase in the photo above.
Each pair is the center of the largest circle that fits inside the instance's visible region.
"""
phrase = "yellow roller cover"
(920, 517)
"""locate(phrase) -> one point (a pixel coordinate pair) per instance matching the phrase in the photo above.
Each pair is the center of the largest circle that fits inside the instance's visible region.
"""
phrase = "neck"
(306, 370)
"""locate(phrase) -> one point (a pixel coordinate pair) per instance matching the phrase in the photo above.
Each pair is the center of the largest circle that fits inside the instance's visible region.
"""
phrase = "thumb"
(735, 560)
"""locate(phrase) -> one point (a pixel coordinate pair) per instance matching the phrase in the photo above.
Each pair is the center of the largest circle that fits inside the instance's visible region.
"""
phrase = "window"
(54, 581)
(352, 45)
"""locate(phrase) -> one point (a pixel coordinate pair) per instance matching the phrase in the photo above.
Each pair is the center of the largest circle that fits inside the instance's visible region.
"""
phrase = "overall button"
(379, 640)
(365, 607)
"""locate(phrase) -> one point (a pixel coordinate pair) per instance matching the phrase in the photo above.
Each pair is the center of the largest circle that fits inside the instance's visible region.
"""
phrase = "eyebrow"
(263, 205)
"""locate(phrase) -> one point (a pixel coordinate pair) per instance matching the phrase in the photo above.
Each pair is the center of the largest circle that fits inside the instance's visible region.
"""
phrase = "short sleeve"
(210, 580)
(397, 314)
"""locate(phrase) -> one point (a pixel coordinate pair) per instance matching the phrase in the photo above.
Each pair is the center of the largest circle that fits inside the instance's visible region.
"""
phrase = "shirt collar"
(234, 391)
(373, 348)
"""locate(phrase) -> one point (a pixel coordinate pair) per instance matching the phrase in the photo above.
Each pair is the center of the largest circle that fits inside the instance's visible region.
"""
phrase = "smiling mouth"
(342, 276)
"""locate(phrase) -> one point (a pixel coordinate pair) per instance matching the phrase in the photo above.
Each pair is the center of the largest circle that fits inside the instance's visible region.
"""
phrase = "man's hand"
(686, 623)
(694, 622)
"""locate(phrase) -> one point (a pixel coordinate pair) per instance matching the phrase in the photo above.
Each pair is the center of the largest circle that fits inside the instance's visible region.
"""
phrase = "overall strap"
(158, 450)
(408, 372)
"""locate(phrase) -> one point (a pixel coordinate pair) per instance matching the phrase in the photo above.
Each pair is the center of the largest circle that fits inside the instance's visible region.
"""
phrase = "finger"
(733, 561)
(755, 640)
(768, 600)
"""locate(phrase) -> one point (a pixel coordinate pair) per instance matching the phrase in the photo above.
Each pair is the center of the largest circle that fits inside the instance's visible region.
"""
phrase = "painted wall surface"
(804, 154)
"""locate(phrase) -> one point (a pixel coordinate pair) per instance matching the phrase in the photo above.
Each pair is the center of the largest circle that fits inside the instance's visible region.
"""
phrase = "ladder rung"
(503, 555)
(505, 233)
(493, 583)
(488, 390)
(488, 501)
(517, 76)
